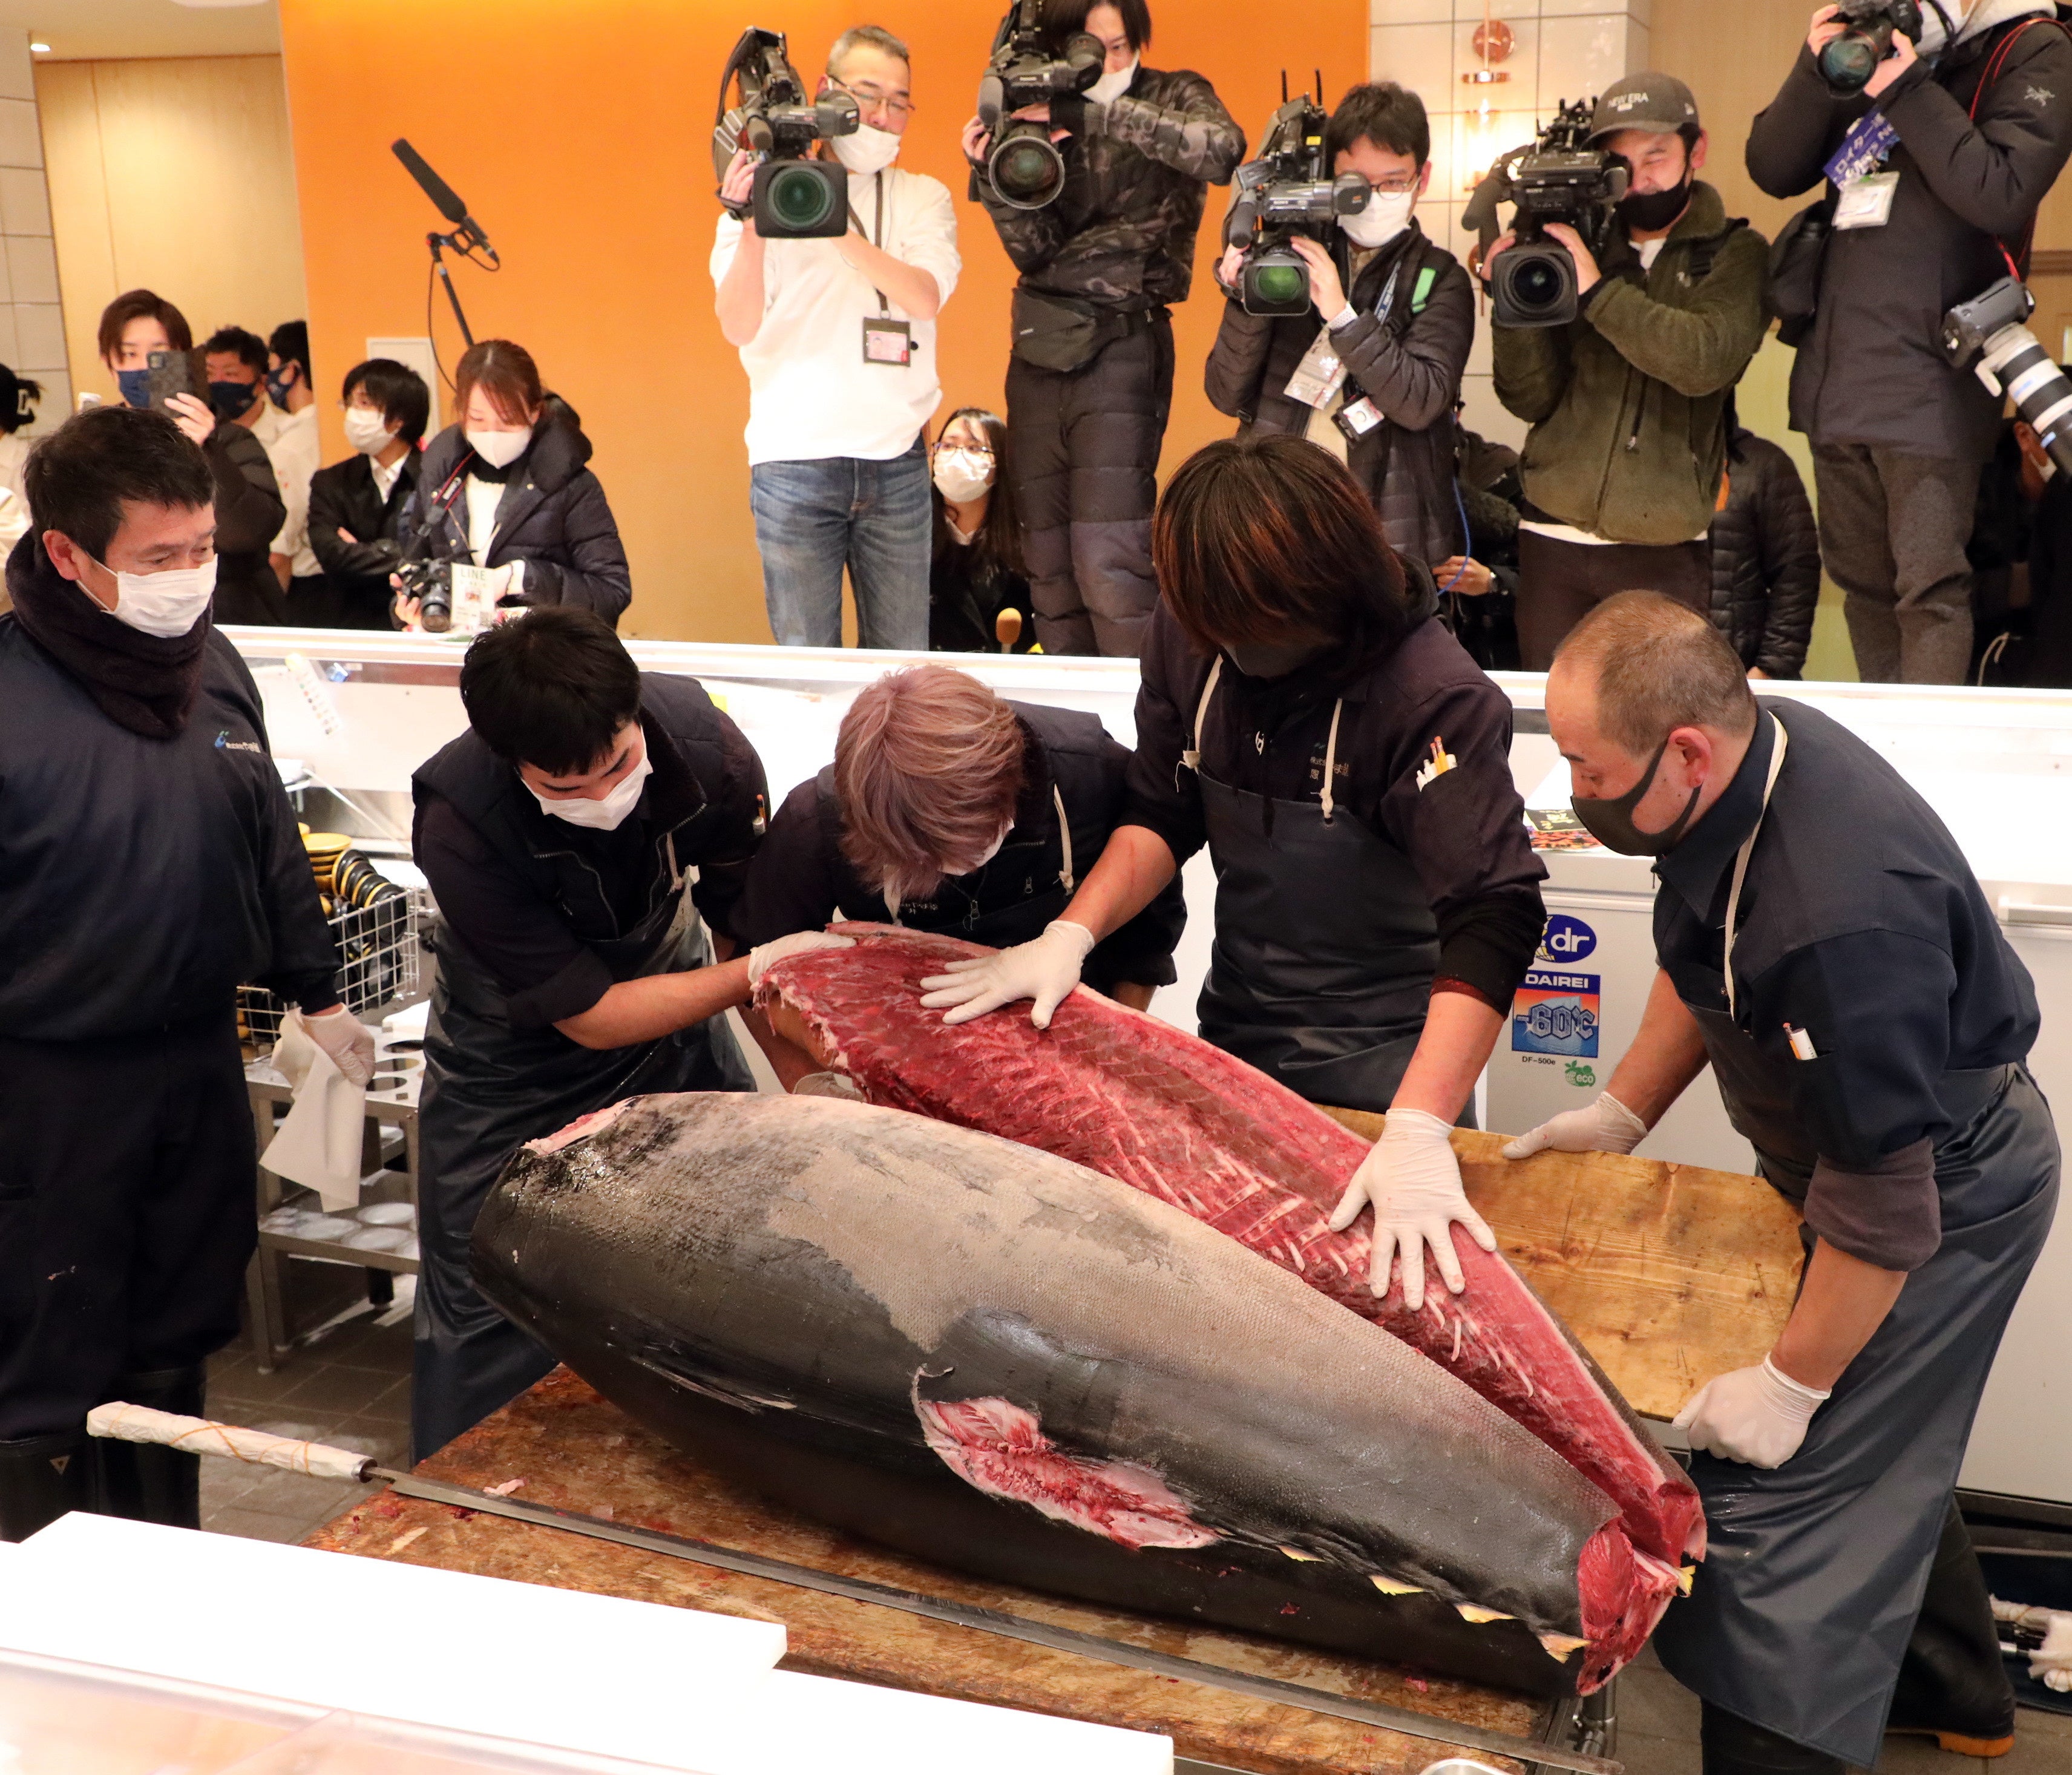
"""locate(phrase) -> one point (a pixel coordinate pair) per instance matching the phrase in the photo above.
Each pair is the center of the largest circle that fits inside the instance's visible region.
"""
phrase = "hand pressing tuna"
(799, 942)
(1046, 969)
(1413, 1180)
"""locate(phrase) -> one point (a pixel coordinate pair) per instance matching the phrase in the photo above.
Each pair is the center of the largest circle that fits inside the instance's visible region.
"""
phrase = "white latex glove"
(1753, 1414)
(1413, 1180)
(1605, 1125)
(348, 1041)
(2051, 1662)
(799, 942)
(1046, 969)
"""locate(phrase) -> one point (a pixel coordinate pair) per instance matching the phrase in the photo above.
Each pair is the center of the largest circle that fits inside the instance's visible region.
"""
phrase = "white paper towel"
(318, 1145)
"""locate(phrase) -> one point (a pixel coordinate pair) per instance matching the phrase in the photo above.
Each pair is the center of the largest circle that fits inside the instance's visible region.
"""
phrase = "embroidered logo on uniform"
(2040, 97)
(1441, 761)
(225, 743)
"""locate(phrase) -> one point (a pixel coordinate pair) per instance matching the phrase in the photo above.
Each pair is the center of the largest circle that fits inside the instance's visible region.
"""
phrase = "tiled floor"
(352, 1386)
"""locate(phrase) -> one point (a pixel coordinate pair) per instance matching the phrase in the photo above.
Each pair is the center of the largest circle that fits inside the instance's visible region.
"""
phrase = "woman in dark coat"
(509, 488)
(976, 574)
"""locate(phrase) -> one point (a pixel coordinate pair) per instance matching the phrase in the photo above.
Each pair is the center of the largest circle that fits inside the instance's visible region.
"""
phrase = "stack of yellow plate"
(325, 849)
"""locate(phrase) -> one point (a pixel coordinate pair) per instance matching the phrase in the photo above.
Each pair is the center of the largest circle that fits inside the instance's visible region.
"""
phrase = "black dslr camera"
(1986, 334)
(1560, 179)
(797, 198)
(430, 582)
(1287, 191)
(1848, 63)
(1023, 162)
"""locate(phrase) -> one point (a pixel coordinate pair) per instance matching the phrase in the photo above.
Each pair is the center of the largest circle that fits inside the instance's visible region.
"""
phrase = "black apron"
(491, 1086)
(1799, 1616)
(1321, 971)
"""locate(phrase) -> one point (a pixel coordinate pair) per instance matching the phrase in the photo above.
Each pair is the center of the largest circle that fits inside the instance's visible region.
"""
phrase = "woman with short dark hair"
(357, 506)
(1305, 715)
(508, 486)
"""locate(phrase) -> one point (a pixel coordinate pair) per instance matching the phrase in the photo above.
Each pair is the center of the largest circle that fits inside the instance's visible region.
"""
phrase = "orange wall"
(577, 131)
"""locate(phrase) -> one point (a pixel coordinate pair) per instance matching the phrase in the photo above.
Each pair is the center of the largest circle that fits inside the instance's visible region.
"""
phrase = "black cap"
(1658, 103)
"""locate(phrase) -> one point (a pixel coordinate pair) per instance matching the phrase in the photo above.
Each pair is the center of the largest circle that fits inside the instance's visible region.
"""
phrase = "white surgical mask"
(963, 474)
(165, 604)
(1387, 215)
(608, 814)
(500, 449)
(1111, 87)
(367, 430)
(868, 151)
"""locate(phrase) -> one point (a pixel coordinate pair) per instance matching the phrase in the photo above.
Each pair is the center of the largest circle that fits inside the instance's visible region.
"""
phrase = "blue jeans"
(814, 518)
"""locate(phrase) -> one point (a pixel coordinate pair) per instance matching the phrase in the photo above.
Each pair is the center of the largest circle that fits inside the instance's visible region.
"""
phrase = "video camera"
(1288, 190)
(795, 198)
(1023, 163)
(1848, 61)
(1986, 334)
(1560, 179)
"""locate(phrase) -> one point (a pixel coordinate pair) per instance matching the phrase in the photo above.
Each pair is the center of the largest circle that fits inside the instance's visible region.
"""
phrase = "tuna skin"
(1132, 1097)
(929, 1301)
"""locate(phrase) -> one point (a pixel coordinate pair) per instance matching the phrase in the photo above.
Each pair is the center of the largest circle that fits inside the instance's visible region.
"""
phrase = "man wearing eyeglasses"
(838, 338)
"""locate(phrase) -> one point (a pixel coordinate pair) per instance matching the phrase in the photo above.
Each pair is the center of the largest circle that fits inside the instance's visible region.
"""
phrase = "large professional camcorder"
(796, 198)
(1023, 162)
(1288, 190)
(1560, 179)
(1986, 334)
(1847, 61)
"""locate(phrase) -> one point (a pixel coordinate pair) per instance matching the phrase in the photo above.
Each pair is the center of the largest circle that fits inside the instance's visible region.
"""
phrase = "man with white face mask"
(838, 338)
(152, 866)
(1372, 373)
(357, 507)
(580, 838)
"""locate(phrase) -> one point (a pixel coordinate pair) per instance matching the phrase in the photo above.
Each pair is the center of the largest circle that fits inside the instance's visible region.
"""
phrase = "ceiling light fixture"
(39, 49)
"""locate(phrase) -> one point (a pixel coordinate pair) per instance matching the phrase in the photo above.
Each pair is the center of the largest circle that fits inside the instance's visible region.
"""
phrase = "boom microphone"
(444, 200)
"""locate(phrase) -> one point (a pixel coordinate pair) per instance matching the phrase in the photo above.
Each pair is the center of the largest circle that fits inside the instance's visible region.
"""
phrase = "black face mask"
(1610, 821)
(230, 399)
(1646, 212)
(1256, 660)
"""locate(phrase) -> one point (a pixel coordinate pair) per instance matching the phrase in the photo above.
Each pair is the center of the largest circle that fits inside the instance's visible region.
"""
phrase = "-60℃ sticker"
(1555, 1013)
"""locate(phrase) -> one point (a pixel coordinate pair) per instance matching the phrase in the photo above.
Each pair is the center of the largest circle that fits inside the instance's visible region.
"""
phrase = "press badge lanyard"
(885, 340)
(1742, 861)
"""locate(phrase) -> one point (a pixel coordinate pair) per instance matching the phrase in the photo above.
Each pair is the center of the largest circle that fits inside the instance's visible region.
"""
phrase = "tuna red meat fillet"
(1131, 1096)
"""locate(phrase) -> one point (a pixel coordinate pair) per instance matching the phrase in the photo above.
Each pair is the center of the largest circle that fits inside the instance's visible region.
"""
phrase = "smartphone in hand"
(172, 372)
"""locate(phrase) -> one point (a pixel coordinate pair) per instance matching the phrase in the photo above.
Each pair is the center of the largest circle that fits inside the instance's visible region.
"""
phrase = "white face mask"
(367, 431)
(1387, 215)
(1111, 87)
(500, 449)
(165, 604)
(868, 151)
(607, 814)
(986, 856)
(962, 474)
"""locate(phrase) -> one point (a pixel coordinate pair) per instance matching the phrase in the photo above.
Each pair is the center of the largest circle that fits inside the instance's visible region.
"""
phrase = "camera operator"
(838, 338)
(358, 507)
(1627, 402)
(508, 486)
(1954, 145)
(1087, 403)
(249, 510)
(1398, 312)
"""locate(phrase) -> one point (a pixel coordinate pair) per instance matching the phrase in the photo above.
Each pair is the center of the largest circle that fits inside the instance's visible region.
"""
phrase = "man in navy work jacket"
(1824, 946)
(150, 865)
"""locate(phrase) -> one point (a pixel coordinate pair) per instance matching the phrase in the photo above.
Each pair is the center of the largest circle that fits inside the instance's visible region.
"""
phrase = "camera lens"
(1537, 285)
(800, 198)
(1026, 171)
(1279, 283)
(1848, 62)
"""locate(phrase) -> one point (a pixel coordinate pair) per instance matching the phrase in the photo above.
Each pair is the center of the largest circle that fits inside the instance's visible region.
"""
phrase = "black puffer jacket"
(1409, 364)
(553, 517)
(1766, 558)
(1871, 370)
(249, 516)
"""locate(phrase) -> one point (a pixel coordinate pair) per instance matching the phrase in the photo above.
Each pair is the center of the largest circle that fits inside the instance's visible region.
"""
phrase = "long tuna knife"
(200, 1435)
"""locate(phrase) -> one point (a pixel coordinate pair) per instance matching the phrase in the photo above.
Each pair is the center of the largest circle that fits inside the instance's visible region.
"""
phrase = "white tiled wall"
(1563, 49)
(32, 339)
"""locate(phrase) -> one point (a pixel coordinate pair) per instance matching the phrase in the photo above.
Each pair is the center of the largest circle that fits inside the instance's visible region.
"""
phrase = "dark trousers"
(1892, 532)
(1084, 470)
(127, 1214)
(1559, 583)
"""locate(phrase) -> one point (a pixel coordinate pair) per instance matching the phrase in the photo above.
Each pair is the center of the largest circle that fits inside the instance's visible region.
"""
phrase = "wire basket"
(378, 964)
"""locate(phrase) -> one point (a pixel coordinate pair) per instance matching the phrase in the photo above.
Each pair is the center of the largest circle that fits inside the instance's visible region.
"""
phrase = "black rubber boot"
(1731, 1745)
(141, 1480)
(1952, 1684)
(43, 1478)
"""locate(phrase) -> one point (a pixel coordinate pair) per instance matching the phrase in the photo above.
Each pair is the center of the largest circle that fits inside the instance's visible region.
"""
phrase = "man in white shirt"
(288, 392)
(838, 338)
(237, 362)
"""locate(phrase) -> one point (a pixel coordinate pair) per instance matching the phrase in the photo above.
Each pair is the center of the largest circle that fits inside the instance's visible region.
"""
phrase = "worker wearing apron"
(948, 808)
(1823, 947)
(1304, 713)
(572, 954)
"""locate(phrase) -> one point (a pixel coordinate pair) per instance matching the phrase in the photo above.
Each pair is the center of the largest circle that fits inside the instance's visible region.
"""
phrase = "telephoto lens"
(1987, 336)
(1848, 61)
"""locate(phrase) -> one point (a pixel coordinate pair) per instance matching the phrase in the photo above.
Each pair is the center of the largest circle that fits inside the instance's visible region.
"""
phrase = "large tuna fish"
(1133, 1098)
(1005, 1363)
